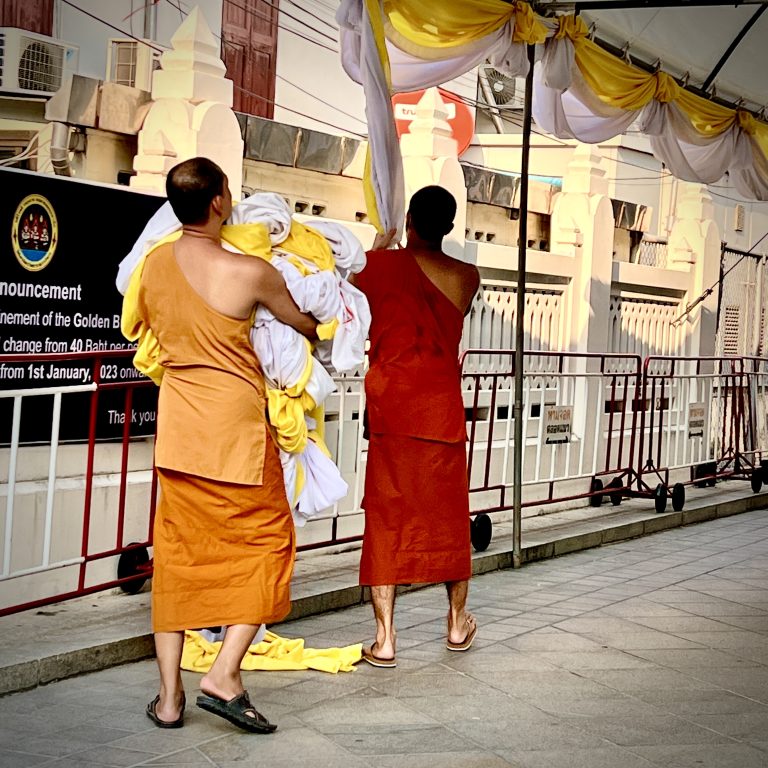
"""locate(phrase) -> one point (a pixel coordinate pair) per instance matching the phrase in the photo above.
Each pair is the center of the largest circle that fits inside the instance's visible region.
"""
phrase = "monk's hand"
(384, 239)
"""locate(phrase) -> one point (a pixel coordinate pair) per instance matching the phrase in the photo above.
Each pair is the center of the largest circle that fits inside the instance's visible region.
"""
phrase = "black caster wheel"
(660, 498)
(678, 497)
(764, 468)
(615, 496)
(133, 563)
(595, 486)
(756, 480)
(481, 530)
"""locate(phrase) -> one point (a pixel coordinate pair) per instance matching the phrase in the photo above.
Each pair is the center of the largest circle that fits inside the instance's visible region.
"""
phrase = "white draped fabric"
(408, 72)
(563, 104)
(313, 481)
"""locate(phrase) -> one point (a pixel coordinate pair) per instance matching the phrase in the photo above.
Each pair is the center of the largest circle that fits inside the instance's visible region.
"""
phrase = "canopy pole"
(733, 46)
(517, 410)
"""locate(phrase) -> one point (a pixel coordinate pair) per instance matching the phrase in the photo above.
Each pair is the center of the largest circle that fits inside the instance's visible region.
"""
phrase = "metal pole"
(757, 326)
(517, 410)
(147, 19)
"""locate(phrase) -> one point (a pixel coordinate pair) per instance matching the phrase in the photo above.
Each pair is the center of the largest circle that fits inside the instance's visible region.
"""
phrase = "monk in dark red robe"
(416, 497)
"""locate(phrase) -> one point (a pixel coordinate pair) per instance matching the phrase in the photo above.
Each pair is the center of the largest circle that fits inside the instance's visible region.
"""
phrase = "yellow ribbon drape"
(622, 85)
(433, 29)
(440, 24)
(528, 27)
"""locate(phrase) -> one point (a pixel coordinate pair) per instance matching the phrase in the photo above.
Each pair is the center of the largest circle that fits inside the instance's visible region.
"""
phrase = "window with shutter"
(249, 50)
(32, 15)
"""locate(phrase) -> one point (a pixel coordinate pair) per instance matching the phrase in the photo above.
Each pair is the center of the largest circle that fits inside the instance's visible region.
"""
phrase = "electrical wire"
(313, 15)
(237, 87)
(650, 180)
(273, 21)
(690, 307)
(28, 153)
(226, 42)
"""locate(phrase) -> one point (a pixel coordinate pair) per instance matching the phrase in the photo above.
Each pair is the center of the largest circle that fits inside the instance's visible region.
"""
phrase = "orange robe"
(416, 497)
(223, 536)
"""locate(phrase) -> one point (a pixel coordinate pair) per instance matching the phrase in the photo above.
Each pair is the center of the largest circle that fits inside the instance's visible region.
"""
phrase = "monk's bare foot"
(376, 657)
(460, 627)
(383, 649)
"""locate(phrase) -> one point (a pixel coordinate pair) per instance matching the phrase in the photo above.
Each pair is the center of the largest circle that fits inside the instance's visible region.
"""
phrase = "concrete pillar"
(191, 114)
(582, 226)
(430, 156)
(694, 245)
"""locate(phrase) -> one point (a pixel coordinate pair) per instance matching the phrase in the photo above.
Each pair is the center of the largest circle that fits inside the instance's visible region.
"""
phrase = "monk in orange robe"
(416, 498)
(224, 541)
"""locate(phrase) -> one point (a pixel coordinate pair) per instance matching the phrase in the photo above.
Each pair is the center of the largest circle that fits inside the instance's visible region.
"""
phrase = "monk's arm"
(271, 291)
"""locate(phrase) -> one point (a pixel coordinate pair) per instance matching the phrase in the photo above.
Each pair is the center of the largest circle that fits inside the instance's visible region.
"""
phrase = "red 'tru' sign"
(460, 116)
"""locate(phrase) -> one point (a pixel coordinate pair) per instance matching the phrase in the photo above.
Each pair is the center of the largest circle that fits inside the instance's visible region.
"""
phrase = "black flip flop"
(152, 714)
(236, 711)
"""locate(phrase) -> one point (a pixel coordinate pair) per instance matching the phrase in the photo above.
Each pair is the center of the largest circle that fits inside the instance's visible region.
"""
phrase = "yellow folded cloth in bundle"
(273, 653)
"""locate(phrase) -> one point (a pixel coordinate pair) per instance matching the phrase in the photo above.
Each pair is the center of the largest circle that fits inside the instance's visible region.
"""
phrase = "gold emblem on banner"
(34, 233)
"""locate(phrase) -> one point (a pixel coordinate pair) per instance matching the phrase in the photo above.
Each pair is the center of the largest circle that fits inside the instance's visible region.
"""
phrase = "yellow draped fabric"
(613, 81)
(145, 359)
(620, 84)
(528, 27)
(435, 28)
(286, 415)
(439, 24)
(273, 653)
(440, 29)
(310, 245)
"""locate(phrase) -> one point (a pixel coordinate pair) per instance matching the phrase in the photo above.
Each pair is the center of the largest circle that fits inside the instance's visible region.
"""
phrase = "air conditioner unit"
(33, 64)
(132, 62)
(498, 90)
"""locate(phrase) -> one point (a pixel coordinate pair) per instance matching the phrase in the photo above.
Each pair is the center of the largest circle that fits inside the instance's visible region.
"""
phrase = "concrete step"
(112, 628)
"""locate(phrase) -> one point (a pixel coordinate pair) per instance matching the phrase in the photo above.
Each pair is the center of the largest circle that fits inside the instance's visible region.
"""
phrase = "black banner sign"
(62, 242)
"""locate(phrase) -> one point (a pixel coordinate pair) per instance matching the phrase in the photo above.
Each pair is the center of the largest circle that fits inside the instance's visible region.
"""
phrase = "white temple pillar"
(430, 156)
(191, 114)
(582, 226)
(694, 245)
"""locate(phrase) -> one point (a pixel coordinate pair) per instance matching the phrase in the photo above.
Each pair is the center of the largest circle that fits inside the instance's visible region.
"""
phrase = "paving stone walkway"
(651, 652)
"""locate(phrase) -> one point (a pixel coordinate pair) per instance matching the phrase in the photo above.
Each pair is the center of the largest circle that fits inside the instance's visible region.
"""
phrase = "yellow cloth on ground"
(273, 653)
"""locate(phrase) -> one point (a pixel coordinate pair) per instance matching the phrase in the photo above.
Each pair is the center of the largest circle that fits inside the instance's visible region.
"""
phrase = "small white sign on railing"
(557, 424)
(697, 415)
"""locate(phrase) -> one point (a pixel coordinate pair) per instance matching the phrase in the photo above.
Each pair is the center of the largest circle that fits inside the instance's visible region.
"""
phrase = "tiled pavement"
(652, 652)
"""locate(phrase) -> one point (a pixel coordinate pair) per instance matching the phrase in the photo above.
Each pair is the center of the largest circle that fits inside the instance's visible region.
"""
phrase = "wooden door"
(32, 15)
(249, 50)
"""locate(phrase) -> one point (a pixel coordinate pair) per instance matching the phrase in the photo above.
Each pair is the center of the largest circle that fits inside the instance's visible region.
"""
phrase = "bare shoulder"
(467, 273)
(242, 264)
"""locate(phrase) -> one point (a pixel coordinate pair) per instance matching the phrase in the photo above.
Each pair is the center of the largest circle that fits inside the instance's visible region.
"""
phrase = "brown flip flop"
(466, 643)
(377, 661)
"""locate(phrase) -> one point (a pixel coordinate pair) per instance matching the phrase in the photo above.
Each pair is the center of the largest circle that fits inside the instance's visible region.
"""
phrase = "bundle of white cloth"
(292, 366)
